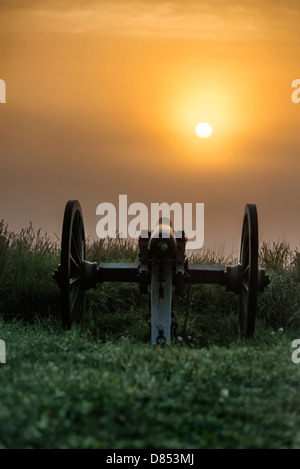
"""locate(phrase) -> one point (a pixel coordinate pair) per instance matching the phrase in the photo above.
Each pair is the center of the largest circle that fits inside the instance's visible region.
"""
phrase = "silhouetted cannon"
(162, 265)
(162, 244)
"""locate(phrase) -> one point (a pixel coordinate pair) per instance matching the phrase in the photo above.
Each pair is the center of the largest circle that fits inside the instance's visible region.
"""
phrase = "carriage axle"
(228, 276)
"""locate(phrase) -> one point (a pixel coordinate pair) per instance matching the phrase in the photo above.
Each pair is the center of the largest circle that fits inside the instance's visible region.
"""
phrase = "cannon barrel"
(162, 243)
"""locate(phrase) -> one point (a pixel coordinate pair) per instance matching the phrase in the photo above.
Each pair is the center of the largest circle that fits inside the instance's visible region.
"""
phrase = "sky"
(103, 96)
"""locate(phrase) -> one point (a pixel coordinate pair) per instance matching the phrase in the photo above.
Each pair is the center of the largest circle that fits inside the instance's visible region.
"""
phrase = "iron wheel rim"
(249, 263)
(72, 255)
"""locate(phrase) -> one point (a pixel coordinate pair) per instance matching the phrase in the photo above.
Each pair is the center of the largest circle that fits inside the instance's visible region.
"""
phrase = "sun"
(203, 130)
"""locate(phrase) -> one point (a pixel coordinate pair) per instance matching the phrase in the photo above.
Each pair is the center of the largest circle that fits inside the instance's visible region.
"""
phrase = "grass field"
(102, 385)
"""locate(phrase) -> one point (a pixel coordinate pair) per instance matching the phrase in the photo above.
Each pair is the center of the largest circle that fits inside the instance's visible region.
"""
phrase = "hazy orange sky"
(102, 99)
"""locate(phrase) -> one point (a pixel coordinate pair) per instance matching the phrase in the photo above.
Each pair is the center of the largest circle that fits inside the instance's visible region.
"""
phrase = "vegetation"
(101, 385)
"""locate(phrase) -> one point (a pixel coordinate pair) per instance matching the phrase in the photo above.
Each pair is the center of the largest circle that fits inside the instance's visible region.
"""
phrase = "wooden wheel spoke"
(75, 300)
(74, 280)
(245, 286)
(76, 249)
(79, 237)
(245, 254)
(74, 263)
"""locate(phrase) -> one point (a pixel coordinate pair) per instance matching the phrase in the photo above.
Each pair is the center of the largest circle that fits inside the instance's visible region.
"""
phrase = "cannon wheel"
(249, 263)
(72, 255)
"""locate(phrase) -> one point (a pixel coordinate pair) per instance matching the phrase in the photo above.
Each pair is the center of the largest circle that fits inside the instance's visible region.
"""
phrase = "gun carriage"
(163, 266)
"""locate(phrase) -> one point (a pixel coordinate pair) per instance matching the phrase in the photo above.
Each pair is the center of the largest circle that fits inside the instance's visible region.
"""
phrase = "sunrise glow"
(203, 130)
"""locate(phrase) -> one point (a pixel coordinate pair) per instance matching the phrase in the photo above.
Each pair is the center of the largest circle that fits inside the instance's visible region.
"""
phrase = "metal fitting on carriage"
(143, 270)
(161, 340)
(234, 278)
(263, 280)
(57, 276)
(88, 275)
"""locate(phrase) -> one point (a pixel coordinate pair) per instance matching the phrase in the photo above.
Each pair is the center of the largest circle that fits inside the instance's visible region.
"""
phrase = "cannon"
(163, 266)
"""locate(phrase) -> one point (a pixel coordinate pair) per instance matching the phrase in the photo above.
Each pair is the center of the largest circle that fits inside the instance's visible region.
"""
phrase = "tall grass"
(212, 256)
(279, 306)
(27, 261)
(203, 315)
(112, 250)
